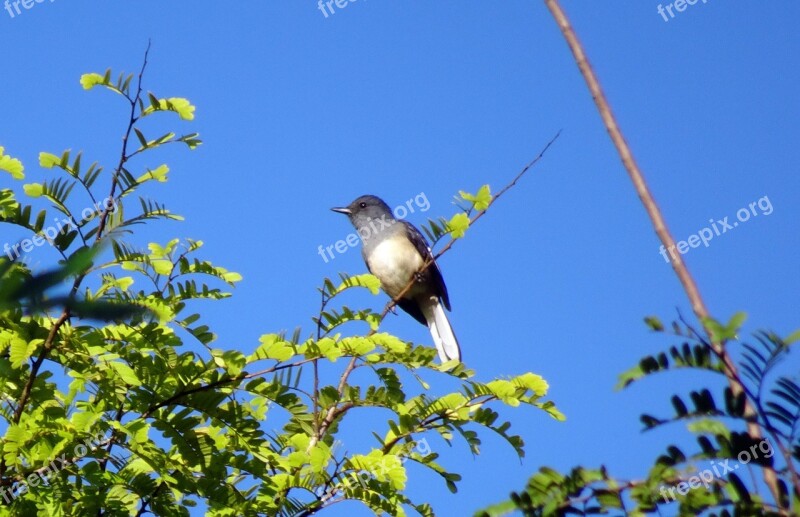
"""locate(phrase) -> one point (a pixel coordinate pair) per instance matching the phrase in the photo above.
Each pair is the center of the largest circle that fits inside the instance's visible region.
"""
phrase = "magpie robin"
(395, 252)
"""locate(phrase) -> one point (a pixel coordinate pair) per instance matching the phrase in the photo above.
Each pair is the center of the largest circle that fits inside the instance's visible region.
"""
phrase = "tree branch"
(656, 218)
(124, 154)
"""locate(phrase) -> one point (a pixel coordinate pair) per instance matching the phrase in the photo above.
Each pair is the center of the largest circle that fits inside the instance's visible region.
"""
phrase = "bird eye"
(362, 205)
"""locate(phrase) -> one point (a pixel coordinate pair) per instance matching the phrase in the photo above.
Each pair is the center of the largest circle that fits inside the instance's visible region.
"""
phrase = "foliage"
(707, 480)
(115, 402)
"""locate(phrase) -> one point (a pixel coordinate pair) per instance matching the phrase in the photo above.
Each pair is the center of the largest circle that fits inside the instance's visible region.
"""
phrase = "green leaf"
(274, 347)
(126, 373)
(329, 349)
(11, 165)
(458, 224)
(33, 189)
(178, 105)
(792, 338)
(366, 281)
(357, 345)
(89, 81)
(709, 426)
(20, 350)
(551, 409)
(231, 277)
(505, 391)
(162, 266)
(719, 333)
(159, 174)
(735, 323)
(499, 509)
(481, 200)
(390, 343)
(191, 140)
(654, 323)
(384, 468)
(141, 137)
(157, 251)
(9, 206)
(531, 381)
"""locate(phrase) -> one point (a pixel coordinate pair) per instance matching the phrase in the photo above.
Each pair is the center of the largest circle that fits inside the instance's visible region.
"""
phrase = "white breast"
(394, 261)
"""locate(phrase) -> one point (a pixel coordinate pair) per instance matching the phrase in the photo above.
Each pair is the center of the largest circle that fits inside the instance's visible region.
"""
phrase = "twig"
(117, 418)
(221, 382)
(146, 502)
(124, 154)
(48, 344)
(315, 397)
(472, 221)
(660, 226)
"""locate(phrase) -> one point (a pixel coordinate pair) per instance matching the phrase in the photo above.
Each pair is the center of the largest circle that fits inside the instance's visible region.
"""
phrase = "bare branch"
(659, 224)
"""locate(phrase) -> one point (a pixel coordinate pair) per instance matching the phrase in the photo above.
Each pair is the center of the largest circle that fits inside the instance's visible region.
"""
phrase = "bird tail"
(443, 336)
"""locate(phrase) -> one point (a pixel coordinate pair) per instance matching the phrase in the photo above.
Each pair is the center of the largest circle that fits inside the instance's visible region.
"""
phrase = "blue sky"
(300, 113)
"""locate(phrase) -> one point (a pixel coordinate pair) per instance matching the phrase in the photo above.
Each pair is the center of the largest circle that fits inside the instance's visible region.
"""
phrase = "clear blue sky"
(300, 112)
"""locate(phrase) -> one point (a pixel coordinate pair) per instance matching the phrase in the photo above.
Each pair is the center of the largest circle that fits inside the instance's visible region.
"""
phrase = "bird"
(395, 252)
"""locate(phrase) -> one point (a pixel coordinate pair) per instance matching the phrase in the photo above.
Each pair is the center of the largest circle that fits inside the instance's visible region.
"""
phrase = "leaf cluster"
(117, 399)
(710, 479)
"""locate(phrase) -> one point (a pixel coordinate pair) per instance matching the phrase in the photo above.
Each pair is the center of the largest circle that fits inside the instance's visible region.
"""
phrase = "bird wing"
(419, 242)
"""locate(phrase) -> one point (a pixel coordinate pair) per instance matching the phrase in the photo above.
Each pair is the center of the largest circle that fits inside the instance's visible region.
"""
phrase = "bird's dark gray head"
(365, 209)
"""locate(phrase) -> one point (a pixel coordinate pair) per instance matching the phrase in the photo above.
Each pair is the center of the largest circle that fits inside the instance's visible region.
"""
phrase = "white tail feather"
(443, 336)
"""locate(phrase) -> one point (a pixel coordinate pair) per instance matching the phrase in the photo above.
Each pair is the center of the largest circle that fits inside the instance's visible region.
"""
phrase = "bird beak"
(342, 210)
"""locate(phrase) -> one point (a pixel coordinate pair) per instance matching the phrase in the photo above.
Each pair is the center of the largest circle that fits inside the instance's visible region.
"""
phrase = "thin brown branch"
(124, 154)
(51, 466)
(472, 221)
(221, 382)
(659, 224)
(117, 418)
(48, 344)
(149, 500)
(335, 410)
(315, 398)
(427, 423)
(65, 315)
